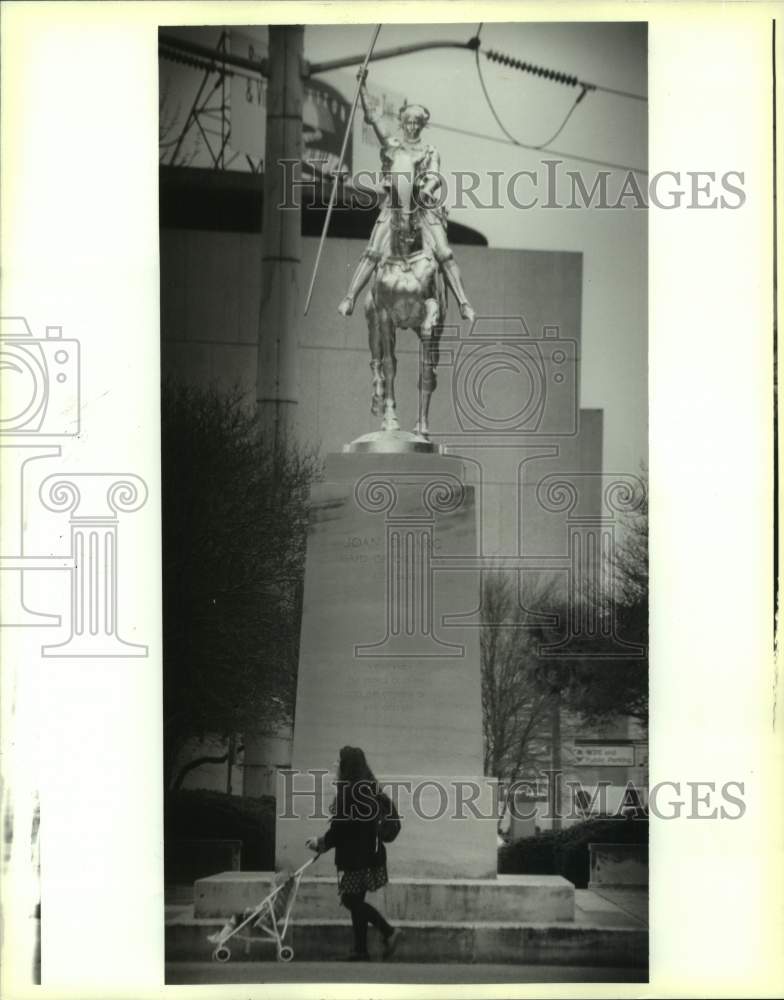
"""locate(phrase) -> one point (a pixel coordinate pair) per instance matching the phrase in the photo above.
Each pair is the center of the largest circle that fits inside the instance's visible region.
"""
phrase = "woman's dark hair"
(357, 786)
(353, 767)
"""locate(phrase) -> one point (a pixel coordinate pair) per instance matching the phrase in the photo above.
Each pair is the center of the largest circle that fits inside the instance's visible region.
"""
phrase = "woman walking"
(360, 854)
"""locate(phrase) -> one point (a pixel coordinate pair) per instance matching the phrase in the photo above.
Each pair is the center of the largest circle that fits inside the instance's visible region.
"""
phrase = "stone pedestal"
(379, 669)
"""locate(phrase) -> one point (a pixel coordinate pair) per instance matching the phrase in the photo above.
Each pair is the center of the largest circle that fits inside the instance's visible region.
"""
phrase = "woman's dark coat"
(353, 829)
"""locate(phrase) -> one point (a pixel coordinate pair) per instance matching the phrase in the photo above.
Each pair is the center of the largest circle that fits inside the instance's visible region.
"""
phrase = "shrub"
(206, 815)
(565, 852)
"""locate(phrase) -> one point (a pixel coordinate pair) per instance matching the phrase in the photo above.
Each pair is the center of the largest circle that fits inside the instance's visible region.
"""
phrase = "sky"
(610, 128)
(603, 126)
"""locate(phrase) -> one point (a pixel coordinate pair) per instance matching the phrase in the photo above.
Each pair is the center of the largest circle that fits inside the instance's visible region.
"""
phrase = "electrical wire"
(557, 76)
(501, 125)
(545, 146)
(208, 65)
(556, 152)
(509, 141)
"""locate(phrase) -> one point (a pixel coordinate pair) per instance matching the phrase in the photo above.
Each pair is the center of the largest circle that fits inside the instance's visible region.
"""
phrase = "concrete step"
(510, 898)
(425, 941)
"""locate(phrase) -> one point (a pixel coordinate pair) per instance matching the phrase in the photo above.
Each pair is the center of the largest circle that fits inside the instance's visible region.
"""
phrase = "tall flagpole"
(333, 195)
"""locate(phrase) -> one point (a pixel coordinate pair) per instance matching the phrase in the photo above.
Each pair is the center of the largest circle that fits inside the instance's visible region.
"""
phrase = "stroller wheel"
(286, 954)
(221, 954)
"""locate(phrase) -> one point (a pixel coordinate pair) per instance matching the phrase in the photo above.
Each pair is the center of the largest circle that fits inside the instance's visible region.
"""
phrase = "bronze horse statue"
(407, 292)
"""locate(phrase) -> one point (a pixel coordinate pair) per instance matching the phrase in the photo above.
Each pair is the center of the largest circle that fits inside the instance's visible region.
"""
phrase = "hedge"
(197, 814)
(565, 852)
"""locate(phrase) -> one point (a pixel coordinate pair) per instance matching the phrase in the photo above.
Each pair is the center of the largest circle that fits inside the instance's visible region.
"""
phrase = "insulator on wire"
(549, 74)
(195, 62)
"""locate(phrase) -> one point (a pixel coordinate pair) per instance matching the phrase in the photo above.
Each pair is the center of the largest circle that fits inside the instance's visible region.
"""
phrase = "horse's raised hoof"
(346, 306)
(377, 405)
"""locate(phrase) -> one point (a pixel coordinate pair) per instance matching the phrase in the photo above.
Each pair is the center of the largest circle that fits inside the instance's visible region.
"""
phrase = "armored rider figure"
(432, 216)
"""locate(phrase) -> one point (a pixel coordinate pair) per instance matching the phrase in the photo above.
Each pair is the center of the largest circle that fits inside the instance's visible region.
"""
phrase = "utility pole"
(281, 242)
(277, 380)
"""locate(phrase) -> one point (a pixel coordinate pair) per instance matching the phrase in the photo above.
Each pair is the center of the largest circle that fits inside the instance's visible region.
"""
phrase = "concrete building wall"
(210, 291)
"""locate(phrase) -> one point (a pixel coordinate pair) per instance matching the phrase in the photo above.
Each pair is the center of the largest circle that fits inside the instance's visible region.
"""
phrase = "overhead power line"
(171, 44)
(215, 65)
(260, 66)
(543, 149)
(557, 76)
(506, 132)
(399, 50)
(201, 57)
(548, 74)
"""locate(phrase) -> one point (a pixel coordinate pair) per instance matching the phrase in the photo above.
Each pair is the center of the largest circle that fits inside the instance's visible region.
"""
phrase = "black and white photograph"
(389, 443)
(404, 481)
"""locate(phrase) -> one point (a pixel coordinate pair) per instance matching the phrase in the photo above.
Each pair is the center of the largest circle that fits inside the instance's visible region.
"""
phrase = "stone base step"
(515, 898)
(426, 941)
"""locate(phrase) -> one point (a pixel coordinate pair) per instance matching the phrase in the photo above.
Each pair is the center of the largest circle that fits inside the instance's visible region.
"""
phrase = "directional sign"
(604, 755)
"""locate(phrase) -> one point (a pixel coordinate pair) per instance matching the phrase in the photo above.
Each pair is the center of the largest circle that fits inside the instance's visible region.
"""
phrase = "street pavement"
(399, 972)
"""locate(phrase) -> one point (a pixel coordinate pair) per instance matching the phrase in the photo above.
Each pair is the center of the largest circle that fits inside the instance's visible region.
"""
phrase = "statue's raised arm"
(373, 115)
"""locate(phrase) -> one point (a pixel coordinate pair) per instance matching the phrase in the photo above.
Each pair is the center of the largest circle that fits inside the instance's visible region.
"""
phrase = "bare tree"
(521, 615)
(170, 130)
(606, 687)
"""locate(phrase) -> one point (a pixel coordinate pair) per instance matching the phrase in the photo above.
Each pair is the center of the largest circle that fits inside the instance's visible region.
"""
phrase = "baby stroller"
(270, 918)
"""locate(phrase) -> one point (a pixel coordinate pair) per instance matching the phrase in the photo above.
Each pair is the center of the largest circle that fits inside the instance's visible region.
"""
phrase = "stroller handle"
(307, 864)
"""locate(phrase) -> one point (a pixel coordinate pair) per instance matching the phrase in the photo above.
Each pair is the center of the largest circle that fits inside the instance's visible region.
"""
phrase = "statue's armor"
(433, 220)
(410, 277)
(398, 227)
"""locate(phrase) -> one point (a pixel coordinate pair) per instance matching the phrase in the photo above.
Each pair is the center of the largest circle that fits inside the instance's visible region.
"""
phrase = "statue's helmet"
(417, 112)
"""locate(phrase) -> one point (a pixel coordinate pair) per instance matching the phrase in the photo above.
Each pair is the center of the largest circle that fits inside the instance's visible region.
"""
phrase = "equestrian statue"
(408, 261)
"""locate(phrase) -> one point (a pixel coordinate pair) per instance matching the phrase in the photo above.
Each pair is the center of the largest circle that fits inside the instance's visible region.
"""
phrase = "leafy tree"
(234, 518)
